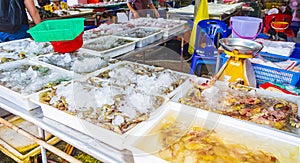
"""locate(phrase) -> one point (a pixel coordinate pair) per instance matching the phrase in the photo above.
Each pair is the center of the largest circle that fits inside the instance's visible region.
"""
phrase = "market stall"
(103, 98)
(102, 6)
(44, 62)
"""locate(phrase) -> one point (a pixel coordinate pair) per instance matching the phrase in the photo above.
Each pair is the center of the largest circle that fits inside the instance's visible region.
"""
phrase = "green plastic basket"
(57, 30)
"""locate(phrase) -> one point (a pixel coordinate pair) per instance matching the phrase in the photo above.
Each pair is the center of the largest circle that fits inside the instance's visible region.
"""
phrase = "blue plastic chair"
(208, 29)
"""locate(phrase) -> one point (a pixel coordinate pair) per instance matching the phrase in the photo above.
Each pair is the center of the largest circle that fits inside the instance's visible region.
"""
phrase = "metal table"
(100, 7)
(81, 141)
(216, 11)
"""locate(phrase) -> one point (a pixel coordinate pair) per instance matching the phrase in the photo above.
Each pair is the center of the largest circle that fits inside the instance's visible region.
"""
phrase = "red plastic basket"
(93, 1)
(280, 26)
(68, 46)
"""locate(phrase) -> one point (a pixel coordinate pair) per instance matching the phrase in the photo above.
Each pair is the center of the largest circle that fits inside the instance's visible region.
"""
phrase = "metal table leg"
(43, 150)
(181, 52)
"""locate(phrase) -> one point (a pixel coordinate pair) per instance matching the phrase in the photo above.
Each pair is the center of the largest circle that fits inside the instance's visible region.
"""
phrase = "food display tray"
(177, 90)
(21, 49)
(85, 65)
(18, 98)
(113, 52)
(258, 92)
(107, 136)
(141, 42)
(230, 131)
(173, 30)
(104, 30)
(168, 26)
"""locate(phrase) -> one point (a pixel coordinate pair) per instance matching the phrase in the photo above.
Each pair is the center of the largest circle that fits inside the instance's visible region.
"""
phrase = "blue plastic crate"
(296, 53)
(270, 74)
(273, 57)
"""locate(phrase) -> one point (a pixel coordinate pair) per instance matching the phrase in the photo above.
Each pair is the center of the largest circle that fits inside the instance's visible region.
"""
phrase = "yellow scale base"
(235, 69)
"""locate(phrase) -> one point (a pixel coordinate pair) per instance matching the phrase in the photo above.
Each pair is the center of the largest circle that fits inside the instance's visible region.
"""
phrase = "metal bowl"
(242, 45)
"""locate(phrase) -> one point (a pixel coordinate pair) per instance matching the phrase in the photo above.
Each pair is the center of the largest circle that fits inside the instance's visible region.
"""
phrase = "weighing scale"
(238, 68)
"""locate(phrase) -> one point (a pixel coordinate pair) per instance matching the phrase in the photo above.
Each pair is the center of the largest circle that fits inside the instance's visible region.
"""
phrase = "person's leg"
(3, 36)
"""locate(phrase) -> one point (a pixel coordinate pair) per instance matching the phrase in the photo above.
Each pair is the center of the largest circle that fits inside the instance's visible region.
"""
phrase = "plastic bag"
(11, 13)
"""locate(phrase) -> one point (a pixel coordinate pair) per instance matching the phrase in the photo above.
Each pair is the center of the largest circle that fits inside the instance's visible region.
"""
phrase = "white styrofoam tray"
(107, 136)
(20, 99)
(264, 93)
(231, 131)
(259, 92)
(80, 52)
(23, 45)
(141, 42)
(189, 85)
(177, 90)
(113, 52)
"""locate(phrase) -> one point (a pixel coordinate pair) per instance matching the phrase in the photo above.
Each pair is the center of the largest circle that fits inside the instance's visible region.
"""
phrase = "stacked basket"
(65, 35)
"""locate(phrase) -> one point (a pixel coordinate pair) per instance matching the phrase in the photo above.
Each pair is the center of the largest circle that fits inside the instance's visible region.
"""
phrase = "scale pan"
(242, 45)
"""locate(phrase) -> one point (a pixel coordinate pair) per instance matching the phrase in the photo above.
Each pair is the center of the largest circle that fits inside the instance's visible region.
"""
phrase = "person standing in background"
(138, 8)
(14, 12)
(42, 3)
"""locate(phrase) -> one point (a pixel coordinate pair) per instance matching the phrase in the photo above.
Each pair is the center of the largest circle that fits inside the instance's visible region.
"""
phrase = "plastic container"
(274, 57)
(296, 53)
(279, 26)
(68, 46)
(22, 99)
(245, 27)
(99, 131)
(57, 30)
(92, 1)
(146, 142)
(275, 75)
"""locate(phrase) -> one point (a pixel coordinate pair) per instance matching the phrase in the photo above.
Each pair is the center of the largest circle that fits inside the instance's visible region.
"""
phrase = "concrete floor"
(162, 56)
(168, 56)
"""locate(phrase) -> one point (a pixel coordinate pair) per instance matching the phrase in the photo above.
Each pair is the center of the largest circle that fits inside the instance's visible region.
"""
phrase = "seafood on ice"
(243, 103)
(146, 79)
(103, 104)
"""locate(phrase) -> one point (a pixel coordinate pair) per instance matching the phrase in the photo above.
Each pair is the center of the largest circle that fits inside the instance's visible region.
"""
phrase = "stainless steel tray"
(242, 45)
(173, 30)
(168, 26)
(109, 51)
(143, 40)
(104, 30)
